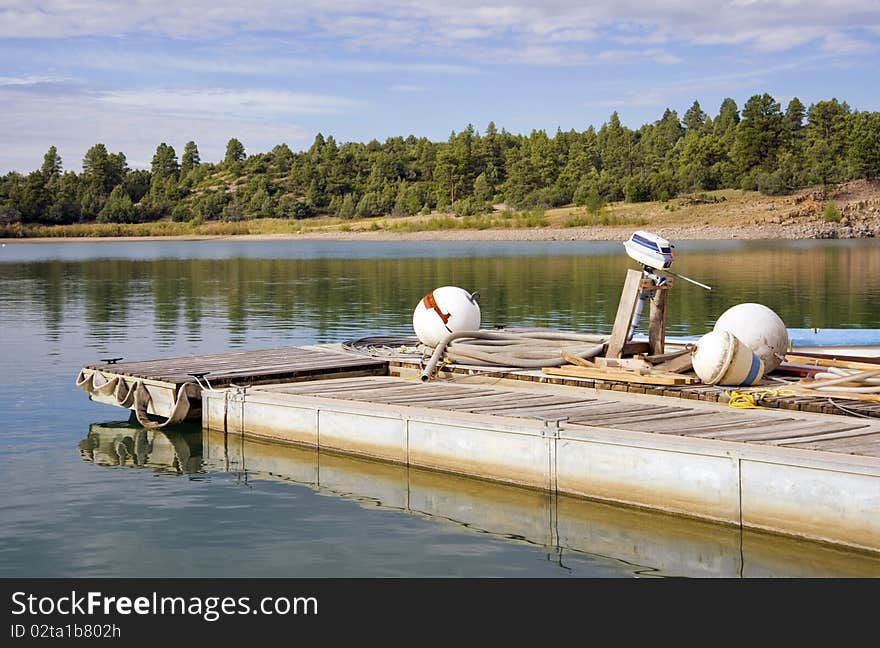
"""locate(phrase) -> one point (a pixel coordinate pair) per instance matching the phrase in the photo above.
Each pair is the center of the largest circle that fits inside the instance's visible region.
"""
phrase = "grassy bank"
(280, 226)
(718, 209)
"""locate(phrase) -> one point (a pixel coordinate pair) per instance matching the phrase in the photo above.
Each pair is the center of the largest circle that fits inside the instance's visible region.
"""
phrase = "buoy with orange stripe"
(445, 310)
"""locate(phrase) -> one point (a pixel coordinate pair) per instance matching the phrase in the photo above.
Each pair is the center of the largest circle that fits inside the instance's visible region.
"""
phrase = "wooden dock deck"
(171, 387)
(165, 379)
(825, 404)
(828, 434)
(244, 367)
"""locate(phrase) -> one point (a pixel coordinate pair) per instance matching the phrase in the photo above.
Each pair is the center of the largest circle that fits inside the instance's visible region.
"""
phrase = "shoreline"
(594, 233)
(725, 215)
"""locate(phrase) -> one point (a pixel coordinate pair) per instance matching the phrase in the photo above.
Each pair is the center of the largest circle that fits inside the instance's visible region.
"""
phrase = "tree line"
(761, 147)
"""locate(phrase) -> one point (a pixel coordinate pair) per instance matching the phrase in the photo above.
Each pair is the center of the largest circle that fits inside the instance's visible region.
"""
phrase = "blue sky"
(134, 74)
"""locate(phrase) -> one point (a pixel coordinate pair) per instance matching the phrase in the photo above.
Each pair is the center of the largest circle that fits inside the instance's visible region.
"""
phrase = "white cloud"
(222, 102)
(132, 124)
(245, 60)
(424, 26)
(30, 80)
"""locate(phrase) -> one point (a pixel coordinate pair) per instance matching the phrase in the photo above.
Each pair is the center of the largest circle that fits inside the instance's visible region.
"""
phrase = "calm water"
(84, 493)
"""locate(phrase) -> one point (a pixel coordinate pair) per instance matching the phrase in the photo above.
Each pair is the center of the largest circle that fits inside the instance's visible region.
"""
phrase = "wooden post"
(629, 297)
(657, 326)
(625, 309)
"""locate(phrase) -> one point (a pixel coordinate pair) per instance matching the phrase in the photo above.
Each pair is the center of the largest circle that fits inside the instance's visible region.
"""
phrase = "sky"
(134, 74)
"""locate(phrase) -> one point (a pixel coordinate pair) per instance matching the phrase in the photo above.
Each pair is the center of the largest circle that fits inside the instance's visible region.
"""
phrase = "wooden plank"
(717, 422)
(829, 361)
(868, 445)
(620, 376)
(635, 348)
(743, 431)
(870, 398)
(672, 424)
(471, 403)
(434, 400)
(334, 389)
(625, 309)
(333, 383)
(800, 428)
(653, 424)
(585, 405)
(543, 401)
(519, 411)
(847, 433)
(636, 365)
(680, 364)
(663, 357)
(615, 410)
(573, 359)
(639, 415)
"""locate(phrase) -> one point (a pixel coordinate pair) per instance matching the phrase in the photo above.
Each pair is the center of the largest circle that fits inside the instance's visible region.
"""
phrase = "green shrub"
(830, 213)
(181, 213)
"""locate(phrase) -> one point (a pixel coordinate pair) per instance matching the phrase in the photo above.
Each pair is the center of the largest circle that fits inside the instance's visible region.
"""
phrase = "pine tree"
(96, 170)
(164, 164)
(695, 119)
(794, 114)
(826, 140)
(190, 158)
(728, 118)
(51, 168)
(863, 152)
(760, 133)
(234, 152)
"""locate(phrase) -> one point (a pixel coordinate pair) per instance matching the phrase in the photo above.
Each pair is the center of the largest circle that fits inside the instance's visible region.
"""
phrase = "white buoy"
(722, 359)
(445, 310)
(759, 328)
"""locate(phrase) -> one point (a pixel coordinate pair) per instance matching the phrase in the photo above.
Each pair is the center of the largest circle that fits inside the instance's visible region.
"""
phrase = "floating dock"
(802, 474)
(647, 544)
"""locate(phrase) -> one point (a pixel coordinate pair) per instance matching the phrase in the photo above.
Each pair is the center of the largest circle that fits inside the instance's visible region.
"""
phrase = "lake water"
(85, 493)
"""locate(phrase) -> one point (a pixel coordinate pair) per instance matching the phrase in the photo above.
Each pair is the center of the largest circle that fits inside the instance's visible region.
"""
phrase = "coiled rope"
(741, 399)
(527, 350)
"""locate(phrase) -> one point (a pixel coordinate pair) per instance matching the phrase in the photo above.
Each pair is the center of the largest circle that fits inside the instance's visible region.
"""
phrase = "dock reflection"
(650, 544)
(126, 443)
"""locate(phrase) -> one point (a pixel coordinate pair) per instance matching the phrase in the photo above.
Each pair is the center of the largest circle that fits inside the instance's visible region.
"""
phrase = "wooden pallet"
(621, 375)
(245, 367)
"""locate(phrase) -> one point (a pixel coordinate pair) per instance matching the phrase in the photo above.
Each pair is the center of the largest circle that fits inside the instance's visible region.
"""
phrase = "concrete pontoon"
(678, 450)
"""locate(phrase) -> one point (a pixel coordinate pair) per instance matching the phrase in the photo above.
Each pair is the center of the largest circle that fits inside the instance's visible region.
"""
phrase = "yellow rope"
(750, 399)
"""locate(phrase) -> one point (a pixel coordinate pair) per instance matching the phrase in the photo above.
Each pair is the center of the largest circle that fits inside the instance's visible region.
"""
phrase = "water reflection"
(128, 444)
(563, 528)
(831, 286)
